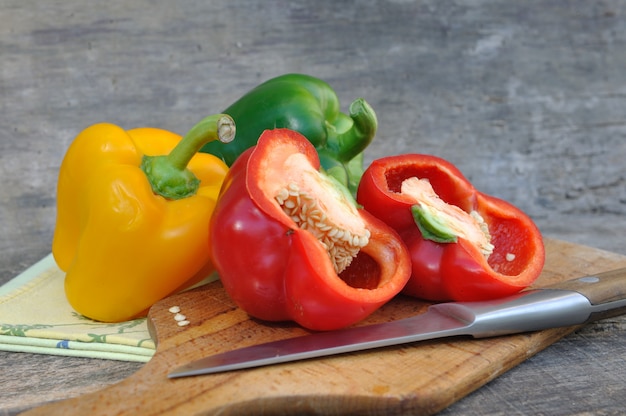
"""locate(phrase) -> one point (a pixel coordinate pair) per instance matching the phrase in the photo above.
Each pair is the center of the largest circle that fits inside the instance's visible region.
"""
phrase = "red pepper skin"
(454, 271)
(276, 271)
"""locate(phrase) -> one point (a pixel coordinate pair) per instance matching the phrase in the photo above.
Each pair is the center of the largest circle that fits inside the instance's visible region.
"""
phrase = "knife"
(574, 302)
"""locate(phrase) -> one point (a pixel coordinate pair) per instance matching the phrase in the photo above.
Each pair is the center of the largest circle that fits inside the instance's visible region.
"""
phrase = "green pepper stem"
(168, 174)
(354, 140)
(214, 127)
(431, 226)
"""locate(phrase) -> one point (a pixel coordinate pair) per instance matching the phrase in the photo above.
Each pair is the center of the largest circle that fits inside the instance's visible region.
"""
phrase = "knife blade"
(574, 302)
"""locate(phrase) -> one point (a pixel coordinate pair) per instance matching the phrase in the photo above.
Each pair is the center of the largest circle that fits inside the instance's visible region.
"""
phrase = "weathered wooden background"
(527, 98)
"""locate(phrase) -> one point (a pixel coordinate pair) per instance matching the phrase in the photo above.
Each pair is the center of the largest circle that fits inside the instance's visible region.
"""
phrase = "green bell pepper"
(309, 106)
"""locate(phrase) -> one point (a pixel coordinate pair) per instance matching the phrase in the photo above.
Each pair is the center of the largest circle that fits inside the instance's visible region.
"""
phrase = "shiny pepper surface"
(122, 244)
(289, 243)
(464, 245)
(311, 107)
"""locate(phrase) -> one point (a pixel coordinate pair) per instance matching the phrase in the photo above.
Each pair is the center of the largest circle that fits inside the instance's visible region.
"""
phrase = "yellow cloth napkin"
(36, 317)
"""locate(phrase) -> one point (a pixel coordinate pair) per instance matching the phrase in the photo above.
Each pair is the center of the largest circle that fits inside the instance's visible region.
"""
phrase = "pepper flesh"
(275, 269)
(309, 106)
(122, 246)
(506, 259)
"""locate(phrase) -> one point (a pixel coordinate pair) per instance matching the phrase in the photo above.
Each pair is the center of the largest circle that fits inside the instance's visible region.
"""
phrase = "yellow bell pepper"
(133, 213)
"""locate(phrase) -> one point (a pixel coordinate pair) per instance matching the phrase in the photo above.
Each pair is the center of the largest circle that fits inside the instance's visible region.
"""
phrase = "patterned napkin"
(35, 317)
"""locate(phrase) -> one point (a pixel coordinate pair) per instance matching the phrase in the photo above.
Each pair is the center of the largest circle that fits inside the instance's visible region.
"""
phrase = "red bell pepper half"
(464, 245)
(290, 243)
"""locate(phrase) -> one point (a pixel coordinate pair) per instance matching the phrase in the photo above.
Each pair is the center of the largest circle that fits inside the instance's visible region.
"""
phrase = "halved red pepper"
(281, 248)
(464, 245)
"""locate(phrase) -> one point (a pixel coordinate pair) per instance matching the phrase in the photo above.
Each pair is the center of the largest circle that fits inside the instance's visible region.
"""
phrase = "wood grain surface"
(421, 378)
(527, 98)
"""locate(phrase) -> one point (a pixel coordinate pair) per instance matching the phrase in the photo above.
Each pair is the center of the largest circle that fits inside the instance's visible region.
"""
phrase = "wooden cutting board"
(422, 378)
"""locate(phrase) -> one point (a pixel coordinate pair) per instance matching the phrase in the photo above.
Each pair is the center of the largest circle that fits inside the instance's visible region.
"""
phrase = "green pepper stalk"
(311, 107)
(168, 174)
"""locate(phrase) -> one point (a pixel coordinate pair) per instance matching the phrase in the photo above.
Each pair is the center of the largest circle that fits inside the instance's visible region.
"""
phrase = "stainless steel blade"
(527, 311)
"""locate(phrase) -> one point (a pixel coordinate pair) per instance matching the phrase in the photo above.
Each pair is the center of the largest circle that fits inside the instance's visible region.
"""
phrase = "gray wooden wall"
(527, 98)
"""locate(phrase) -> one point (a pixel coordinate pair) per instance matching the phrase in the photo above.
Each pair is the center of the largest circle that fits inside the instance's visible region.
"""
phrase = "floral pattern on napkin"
(36, 317)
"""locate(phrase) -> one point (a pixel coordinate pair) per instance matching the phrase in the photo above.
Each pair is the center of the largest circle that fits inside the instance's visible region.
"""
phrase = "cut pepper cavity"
(292, 244)
(464, 245)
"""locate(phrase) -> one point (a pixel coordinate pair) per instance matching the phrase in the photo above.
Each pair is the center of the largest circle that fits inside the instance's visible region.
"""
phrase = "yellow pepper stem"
(168, 174)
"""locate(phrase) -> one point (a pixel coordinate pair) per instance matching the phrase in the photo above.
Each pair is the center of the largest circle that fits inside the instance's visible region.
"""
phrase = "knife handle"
(605, 291)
